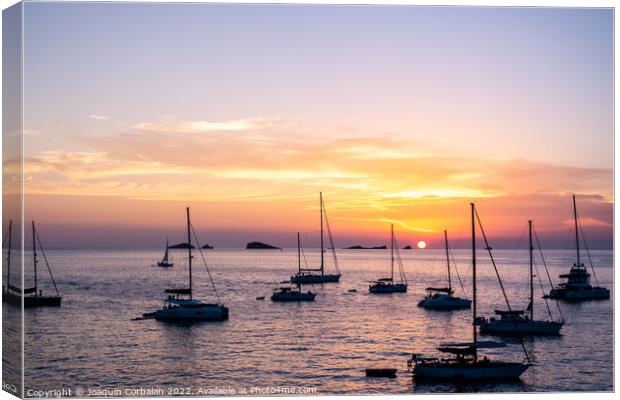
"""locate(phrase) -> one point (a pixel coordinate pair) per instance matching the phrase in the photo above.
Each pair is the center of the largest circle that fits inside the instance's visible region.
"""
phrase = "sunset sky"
(397, 114)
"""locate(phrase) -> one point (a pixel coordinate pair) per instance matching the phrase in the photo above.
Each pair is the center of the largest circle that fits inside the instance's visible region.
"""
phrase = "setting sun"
(421, 244)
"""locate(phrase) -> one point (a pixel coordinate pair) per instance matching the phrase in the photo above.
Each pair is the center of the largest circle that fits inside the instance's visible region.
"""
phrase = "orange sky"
(398, 115)
(262, 178)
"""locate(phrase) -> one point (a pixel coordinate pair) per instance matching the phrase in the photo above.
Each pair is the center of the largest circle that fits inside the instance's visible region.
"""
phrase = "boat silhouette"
(308, 275)
(466, 365)
(443, 298)
(577, 286)
(387, 285)
(30, 296)
(180, 305)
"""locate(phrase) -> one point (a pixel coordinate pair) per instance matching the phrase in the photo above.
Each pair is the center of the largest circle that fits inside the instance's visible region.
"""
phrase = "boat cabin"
(383, 282)
(578, 276)
(432, 292)
(518, 316)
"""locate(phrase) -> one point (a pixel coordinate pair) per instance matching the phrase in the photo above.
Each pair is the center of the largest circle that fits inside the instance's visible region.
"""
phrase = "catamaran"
(32, 296)
(442, 298)
(518, 322)
(387, 285)
(308, 275)
(577, 286)
(180, 306)
(288, 294)
(466, 365)
(165, 263)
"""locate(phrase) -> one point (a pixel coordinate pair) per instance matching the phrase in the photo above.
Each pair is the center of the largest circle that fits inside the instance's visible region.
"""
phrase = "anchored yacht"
(180, 306)
(443, 298)
(387, 285)
(577, 286)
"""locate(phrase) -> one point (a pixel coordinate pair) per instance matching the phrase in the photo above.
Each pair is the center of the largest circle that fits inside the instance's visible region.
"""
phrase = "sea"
(93, 346)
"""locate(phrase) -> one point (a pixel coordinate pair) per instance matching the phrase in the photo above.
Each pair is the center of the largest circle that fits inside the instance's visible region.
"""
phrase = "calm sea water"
(91, 341)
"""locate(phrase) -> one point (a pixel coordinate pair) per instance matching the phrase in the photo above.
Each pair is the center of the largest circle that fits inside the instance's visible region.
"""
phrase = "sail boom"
(179, 291)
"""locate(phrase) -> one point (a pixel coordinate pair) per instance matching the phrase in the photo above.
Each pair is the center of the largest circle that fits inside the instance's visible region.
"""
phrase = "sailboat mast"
(529, 224)
(34, 257)
(189, 251)
(166, 253)
(576, 232)
(298, 253)
(8, 255)
(473, 261)
(445, 235)
(322, 255)
(392, 255)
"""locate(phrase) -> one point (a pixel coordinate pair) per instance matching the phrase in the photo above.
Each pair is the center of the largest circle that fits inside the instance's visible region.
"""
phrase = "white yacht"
(443, 298)
(181, 307)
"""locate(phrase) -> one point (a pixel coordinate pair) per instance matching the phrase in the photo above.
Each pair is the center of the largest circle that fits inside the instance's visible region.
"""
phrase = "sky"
(400, 115)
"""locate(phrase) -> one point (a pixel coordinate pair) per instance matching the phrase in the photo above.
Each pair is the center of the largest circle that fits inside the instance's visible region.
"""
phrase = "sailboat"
(308, 275)
(442, 298)
(164, 261)
(465, 364)
(518, 322)
(180, 306)
(288, 294)
(577, 286)
(6, 288)
(387, 285)
(32, 296)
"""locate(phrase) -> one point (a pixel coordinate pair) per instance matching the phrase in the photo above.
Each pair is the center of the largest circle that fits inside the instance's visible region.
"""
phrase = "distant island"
(180, 246)
(408, 247)
(207, 246)
(366, 248)
(261, 246)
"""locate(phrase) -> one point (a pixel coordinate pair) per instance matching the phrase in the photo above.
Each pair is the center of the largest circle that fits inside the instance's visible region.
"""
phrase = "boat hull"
(579, 294)
(288, 297)
(31, 301)
(467, 372)
(445, 304)
(192, 314)
(165, 264)
(381, 372)
(307, 279)
(395, 288)
(540, 328)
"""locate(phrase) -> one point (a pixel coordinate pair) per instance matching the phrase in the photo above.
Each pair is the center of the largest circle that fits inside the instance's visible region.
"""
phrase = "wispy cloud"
(98, 117)
(370, 181)
(211, 126)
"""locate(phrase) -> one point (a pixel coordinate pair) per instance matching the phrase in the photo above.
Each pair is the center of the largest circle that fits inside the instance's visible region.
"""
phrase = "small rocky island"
(181, 246)
(358, 247)
(408, 247)
(207, 246)
(260, 246)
